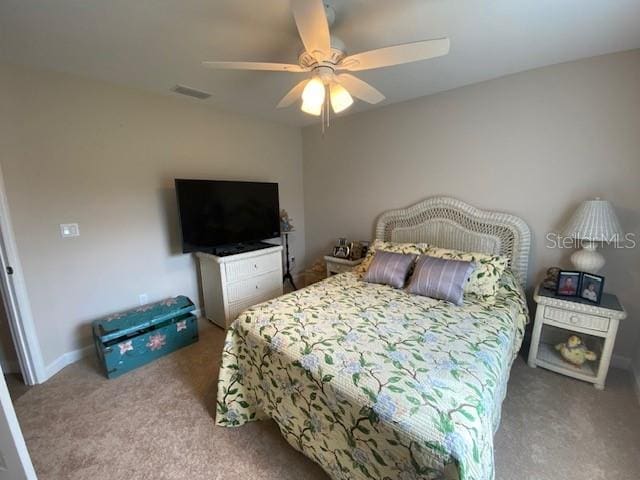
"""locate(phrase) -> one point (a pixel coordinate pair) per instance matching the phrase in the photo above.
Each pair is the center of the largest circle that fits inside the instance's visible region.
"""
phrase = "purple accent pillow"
(389, 268)
(440, 278)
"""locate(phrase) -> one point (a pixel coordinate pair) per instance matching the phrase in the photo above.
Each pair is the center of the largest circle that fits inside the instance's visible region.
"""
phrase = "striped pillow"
(389, 268)
(440, 278)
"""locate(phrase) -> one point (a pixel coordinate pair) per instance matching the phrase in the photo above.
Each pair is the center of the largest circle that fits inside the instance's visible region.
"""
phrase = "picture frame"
(591, 288)
(568, 284)
(341, 251)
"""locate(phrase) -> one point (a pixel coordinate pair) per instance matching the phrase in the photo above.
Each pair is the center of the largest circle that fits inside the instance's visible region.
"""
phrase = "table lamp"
(593, 222)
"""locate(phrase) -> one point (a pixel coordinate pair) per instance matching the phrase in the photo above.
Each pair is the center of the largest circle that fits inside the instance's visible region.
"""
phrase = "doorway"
(18, 340)
(9, 359)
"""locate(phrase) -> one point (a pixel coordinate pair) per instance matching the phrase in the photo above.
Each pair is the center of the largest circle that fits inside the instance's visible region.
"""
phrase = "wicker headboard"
(449, 223)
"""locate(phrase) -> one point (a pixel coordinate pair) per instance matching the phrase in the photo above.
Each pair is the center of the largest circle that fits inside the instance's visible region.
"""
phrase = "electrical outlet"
(143, 299)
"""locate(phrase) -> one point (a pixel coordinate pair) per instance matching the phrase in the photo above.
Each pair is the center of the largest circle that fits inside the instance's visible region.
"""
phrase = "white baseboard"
(65, 360)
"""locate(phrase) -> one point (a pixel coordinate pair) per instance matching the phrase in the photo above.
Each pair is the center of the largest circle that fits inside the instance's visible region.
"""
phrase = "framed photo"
(591, 287)
(568, 283)
(341, 251)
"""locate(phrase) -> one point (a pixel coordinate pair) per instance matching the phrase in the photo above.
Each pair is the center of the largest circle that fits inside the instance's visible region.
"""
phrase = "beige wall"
(106, 156)
(534, 144)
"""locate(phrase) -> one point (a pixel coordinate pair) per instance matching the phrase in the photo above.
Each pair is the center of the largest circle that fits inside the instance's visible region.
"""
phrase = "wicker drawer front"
(575, 319)
(252, 266)
(236, 308)
(255, 287)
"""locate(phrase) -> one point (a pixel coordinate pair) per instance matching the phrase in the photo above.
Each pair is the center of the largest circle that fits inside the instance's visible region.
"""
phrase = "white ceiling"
(155, 44)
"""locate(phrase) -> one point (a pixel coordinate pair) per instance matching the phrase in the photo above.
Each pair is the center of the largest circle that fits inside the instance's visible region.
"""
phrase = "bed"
(371, 382)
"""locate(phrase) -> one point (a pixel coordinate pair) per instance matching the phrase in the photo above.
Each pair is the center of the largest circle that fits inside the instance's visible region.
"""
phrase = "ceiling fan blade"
(271, 67)
(313, 27)
(293, 95)
(396, 55)
(359, 88)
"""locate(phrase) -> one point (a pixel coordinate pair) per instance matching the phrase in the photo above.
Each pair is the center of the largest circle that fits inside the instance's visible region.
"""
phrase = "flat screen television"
(216, 214)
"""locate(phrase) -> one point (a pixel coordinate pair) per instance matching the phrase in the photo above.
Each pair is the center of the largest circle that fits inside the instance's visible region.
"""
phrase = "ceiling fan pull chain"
(323, 111)
(326, 105)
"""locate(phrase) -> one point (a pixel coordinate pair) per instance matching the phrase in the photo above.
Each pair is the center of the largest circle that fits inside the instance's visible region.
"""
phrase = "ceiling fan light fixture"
(341, 99)
(313, 97)
(311, 109)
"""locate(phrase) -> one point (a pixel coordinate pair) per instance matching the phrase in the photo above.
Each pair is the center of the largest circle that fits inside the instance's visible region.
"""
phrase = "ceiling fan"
(326, 58)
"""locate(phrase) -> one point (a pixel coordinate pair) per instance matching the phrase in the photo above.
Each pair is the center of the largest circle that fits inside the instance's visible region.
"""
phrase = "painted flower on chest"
(182, 325)
(169, 301)
(156, 342)
(126, 347)
(113, 317)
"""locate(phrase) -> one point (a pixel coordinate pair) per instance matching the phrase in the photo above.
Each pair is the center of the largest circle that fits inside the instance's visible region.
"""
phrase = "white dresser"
(233, 283)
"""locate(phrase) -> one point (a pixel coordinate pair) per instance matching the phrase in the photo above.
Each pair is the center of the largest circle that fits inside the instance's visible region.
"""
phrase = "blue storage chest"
(130, 339)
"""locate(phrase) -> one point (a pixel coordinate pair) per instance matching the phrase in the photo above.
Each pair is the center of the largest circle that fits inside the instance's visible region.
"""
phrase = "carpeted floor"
(156, 423)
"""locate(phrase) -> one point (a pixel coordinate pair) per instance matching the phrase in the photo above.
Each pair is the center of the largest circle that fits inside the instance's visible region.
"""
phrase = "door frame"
(17, 461)
(16, 299)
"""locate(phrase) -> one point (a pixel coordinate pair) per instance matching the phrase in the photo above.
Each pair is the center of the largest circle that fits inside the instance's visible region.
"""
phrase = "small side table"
(558, 317)
(340, 265)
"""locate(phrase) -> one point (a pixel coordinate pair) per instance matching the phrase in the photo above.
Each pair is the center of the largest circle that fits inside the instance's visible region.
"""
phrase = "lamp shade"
(594, 220)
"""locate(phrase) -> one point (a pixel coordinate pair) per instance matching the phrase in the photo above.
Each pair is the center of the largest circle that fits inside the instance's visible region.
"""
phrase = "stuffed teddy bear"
(575, 352)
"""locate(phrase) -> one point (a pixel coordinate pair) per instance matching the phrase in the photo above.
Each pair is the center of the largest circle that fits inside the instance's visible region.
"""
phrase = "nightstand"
(340, 265)
(559, 317)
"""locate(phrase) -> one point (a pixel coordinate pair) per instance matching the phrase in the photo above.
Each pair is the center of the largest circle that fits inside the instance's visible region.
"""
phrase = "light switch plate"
(69, 230)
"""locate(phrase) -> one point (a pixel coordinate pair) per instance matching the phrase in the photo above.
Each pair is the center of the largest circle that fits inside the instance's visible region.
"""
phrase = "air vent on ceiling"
(190, 92)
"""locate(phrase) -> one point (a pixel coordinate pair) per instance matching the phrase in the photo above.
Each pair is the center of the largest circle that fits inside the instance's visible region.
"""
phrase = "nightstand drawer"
(336, 268)
(574, 319)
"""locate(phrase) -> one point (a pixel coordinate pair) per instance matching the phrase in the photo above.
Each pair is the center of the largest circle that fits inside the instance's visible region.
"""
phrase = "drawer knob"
(257, 287)
(574, 319)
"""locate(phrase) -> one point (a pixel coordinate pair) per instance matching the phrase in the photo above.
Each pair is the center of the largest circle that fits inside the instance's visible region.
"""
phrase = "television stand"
(233, 283)
(236, 248)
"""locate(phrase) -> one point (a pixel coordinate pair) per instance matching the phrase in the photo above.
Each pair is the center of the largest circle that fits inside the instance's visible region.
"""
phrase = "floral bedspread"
(374, 383)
